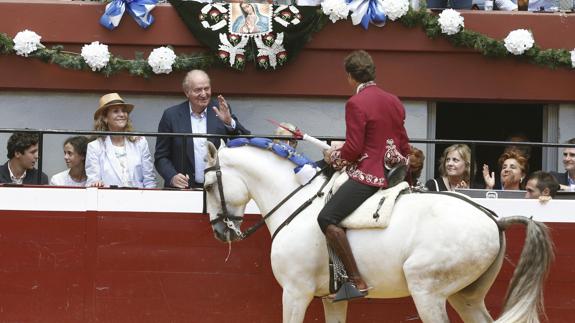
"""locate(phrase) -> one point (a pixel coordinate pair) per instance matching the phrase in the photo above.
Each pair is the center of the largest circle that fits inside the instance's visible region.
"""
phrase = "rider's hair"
(360, 66)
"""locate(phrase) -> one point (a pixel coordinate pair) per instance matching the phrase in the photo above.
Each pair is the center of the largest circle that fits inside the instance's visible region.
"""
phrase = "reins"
(228, 219)
(303, 206)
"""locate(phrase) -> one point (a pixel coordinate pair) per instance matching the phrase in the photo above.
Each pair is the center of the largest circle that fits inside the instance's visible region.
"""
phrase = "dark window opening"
(488, 121)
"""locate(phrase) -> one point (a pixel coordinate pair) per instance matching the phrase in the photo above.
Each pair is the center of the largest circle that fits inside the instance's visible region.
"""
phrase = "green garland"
(137, 66)
(550, 58)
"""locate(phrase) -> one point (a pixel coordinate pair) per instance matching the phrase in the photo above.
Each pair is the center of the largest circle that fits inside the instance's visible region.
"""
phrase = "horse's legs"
(427, 290)
(431, 307)
(294, 305)
(334, 312)
(469, 302)
(470, 310)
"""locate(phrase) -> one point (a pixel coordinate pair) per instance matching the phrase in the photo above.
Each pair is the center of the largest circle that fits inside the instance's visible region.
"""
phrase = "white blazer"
(103, 165)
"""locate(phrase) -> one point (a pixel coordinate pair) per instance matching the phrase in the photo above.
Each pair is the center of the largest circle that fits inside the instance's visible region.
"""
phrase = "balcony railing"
(186, 136)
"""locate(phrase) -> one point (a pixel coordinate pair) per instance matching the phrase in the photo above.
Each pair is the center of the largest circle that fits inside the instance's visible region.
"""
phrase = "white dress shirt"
(200, 125)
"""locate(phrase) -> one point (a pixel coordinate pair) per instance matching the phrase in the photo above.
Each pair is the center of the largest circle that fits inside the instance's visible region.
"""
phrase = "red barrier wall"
(166, 267)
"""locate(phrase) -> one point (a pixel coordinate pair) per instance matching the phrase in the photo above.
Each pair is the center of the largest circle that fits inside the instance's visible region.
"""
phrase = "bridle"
(225, 215)
(229, 219)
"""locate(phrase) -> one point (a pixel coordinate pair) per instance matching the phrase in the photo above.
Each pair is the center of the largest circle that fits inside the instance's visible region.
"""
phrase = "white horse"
(436, 247)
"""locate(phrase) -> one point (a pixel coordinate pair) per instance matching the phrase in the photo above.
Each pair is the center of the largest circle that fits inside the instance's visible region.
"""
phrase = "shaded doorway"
(493, 122)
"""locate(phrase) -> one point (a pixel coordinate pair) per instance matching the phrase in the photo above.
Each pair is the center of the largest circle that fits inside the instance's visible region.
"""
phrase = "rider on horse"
(375, 140)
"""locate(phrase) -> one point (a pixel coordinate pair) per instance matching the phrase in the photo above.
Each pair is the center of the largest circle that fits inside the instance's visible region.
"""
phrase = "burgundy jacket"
(375, 136)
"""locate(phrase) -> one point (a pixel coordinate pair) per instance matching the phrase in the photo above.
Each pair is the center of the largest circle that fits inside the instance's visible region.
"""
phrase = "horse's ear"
(222, 144)
(212, 153)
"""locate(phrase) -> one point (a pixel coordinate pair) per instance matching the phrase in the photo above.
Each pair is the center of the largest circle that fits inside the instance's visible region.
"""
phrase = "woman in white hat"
(123, 161)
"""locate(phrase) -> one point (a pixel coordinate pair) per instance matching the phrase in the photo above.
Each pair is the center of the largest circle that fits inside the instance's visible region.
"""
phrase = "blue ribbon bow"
(138, 9)
(366, 11)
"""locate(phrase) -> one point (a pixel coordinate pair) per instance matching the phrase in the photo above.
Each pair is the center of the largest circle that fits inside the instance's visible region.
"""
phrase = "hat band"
(114, 102)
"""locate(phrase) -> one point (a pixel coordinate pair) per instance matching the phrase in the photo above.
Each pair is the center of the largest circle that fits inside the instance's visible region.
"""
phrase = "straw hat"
(110, 100)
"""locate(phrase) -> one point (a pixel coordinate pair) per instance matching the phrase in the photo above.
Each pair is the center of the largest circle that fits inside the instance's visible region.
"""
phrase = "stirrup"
(348, 291)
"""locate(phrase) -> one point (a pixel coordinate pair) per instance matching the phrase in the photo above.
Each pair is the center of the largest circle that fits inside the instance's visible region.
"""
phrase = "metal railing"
(185, 136)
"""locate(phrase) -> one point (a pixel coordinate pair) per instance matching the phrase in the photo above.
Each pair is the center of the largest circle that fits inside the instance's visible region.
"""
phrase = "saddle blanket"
(367, 214)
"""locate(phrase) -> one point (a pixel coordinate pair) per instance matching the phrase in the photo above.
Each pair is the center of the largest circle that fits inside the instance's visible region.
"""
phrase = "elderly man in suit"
(200, 114)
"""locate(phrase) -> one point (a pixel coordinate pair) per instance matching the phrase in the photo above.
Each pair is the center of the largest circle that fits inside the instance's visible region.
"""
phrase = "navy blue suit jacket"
(31, 176)
(168, 156)
(562, 178)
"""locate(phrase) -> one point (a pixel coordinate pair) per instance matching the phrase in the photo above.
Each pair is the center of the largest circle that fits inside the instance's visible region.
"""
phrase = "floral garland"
(163, 60)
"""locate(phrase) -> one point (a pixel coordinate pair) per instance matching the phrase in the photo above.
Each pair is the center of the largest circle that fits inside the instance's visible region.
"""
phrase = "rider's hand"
(327, 155)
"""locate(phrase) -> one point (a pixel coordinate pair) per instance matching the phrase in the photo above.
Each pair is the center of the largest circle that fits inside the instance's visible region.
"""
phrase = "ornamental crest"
(250, 31)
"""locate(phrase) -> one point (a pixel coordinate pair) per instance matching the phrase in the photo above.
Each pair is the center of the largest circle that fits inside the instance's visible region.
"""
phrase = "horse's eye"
(208, 187)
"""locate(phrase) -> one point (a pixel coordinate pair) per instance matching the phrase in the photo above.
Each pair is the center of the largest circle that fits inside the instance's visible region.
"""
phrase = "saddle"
(375, 212)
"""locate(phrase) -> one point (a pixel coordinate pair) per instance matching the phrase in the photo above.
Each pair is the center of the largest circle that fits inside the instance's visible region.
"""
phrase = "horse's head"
(226, 194)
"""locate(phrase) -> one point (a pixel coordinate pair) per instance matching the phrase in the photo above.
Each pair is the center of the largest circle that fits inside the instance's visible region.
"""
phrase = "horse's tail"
(524, 299)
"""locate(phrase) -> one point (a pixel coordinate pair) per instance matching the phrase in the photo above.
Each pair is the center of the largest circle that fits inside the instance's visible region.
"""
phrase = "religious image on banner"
(250, 18)
(265, 33)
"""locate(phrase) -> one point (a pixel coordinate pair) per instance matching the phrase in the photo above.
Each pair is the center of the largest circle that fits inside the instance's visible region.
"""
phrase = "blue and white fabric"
(138, 9)
(366, 11)
(305, 169)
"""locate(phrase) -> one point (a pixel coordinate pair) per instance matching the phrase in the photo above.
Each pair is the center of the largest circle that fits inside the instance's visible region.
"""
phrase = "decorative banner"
(263, 33)
(138, 9)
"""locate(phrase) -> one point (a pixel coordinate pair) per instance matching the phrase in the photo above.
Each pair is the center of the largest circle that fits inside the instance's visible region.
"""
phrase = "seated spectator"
(454, 168)
(541, 185)
(415, 166)
(513, 169)
(454, 4)
(567, 179)
(75, 158)
(123, 161)
(22, 156)
(283, 132)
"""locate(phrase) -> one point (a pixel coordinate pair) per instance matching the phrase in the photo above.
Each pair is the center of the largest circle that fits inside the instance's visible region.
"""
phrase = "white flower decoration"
(26, 42)
(161, 60)
(518, 41)
(335, 9)
(450, 21)
(96, 55)
(572, 58)
(395, 9)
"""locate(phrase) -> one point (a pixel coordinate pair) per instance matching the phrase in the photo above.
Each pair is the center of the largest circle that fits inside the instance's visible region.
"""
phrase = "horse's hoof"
(347, 292)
